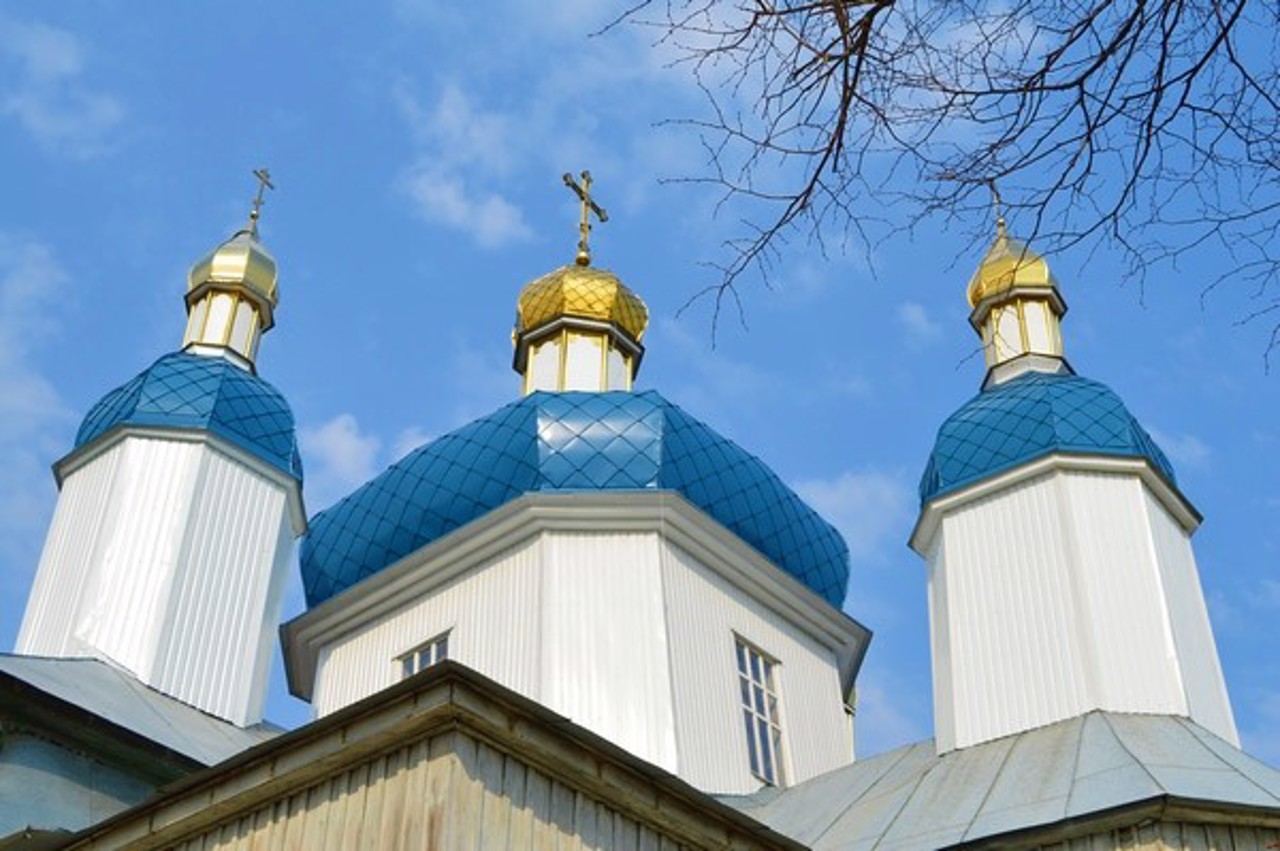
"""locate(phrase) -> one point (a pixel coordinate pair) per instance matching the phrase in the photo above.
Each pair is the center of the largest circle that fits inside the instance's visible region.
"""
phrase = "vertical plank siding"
(451, 791)
(1174, 836)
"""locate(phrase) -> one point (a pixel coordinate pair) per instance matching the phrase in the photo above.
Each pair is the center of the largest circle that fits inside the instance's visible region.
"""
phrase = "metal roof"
(912, 798)
(1028, 417)
(182, 390)
(559, 442)
(115, 696)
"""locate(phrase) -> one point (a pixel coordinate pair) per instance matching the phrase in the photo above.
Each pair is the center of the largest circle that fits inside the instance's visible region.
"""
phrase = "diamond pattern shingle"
(1028, 417)
(568, 442)
(181, 390)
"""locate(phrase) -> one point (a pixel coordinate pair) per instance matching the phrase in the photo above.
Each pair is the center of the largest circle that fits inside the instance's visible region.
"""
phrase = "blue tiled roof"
(1028, 417)
(568, 442)
(181, 390)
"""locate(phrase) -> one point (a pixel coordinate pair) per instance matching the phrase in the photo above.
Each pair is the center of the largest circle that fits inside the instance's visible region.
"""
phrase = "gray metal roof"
(914, 798)
(115, 696)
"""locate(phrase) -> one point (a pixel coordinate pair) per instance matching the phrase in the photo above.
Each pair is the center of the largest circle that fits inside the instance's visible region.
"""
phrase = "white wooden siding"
(704, 612)
(493, 612)
(167, 557)
(1068, 592)
(1010, 648)
(1189, 618)
(225, 602)
(604, 650)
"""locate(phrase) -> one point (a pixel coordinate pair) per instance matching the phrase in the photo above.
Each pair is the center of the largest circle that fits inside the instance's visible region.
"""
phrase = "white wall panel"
(124, 608)
(217, 611)
(604, 645)
(1123, 619)
(166, 557)
(1206, 690)
(1068, 592)
(65, 565)
(1010, 644)
(492, 612)
(704, 612)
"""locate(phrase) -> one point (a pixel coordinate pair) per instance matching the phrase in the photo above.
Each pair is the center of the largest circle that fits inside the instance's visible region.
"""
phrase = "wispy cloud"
(48, 95)
(464, 149)
(443, 198)
(32, 415)
(920, 327)
(339, 457)
(1185, 450)
(870, 508)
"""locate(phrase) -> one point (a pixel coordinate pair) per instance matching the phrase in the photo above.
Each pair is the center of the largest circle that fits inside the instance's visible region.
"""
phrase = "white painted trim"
(82, 455)
(665, 512)
(1169, 496)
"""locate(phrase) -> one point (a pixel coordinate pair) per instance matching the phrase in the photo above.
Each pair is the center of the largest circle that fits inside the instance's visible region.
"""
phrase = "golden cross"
(264, 183)
(583, 191)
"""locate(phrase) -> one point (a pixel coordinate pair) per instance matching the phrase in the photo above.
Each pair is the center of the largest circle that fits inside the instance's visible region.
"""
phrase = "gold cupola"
(1017, 309)
(232, 292)
(579, 327)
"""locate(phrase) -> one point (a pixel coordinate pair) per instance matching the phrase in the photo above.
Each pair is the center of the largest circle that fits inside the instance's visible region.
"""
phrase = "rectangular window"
(424, 655)
(757, 685)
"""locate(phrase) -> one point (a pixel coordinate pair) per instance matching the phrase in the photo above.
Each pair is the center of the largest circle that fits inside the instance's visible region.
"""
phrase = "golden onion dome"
(1009, 264)
(584, 292)
(243, 260)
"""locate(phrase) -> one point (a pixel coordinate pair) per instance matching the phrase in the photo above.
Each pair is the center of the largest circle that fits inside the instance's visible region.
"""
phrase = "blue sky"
(418, 148)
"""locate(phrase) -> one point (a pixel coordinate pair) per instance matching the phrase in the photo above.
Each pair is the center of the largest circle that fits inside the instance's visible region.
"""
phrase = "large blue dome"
(1028, 417)
(556, 442)
(187, 391)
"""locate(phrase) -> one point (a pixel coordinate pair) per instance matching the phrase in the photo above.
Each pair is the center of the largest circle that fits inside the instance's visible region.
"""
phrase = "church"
(589, 620)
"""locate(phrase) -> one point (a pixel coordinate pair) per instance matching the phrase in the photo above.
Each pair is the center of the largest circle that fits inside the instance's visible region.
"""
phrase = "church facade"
(589, 620)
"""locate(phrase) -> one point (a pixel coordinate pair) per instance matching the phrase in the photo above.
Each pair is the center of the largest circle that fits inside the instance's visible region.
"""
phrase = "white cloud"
(338, 457)
(408, 440)
(1185, 450)
(920, 327)
(33, 418)
(443, 198)
(48, 96)
(871, 509)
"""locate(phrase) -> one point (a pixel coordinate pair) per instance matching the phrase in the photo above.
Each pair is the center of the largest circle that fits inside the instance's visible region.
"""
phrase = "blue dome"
(191, 391)
(1028, 417)
(557, 442)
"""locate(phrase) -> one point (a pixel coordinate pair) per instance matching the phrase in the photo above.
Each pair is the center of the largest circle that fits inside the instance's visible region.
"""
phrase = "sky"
(417, 148)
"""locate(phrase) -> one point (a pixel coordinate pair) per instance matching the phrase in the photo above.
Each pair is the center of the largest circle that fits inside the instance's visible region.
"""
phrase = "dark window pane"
(442, 649)
(751, 743)
(763, 729)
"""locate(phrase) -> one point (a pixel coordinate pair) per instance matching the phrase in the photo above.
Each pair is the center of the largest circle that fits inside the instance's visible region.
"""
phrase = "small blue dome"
(1028, 417)
(557, 442)
(181, 390)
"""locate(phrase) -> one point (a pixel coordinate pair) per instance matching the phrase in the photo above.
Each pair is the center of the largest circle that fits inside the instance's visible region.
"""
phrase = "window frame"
(436, 648)
(760, 711)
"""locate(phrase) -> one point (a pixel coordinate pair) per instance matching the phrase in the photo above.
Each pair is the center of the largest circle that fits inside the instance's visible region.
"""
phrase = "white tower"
(178, 507)
(1061, 574)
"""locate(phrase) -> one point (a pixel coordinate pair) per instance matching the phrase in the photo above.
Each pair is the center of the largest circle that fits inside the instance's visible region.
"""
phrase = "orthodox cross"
(264, 183)
(583, 191)
(997, 203)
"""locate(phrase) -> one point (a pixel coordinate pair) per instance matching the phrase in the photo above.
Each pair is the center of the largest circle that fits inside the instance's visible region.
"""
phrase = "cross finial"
(264, 183)
(997, 203)
(583, 191)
